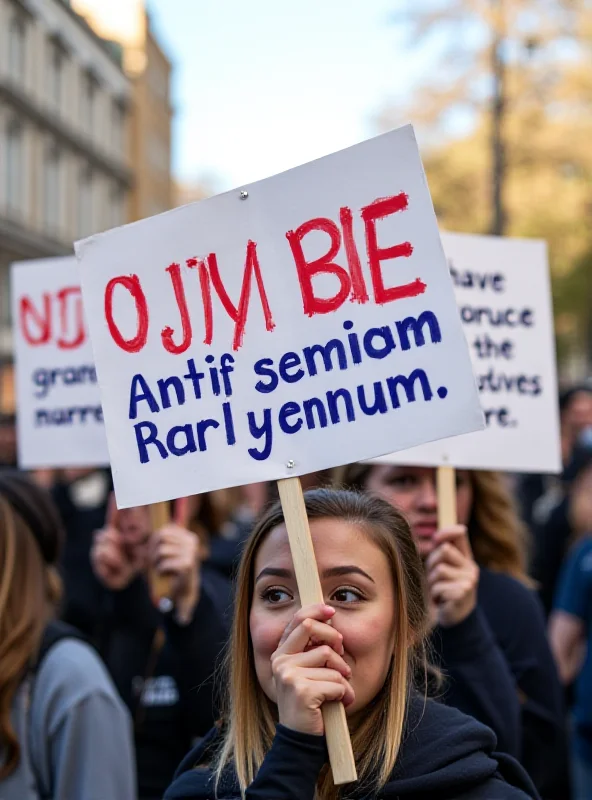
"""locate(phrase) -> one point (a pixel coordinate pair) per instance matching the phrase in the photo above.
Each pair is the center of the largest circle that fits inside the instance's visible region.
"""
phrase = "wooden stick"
(446, 491)
(339, 744)
(160, 584)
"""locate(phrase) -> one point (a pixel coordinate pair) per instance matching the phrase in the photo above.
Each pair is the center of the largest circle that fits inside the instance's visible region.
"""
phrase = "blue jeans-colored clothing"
(581, 777)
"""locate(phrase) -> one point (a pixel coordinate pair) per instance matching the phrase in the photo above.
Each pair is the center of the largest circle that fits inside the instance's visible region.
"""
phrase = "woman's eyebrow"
(276, 572)
(332, 572)
(347, 569)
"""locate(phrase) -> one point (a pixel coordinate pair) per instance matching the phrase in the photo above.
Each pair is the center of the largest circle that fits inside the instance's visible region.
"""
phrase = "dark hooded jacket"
(444, 755)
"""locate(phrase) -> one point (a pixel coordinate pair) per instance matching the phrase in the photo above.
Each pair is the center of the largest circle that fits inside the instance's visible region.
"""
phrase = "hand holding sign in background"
(304, 322)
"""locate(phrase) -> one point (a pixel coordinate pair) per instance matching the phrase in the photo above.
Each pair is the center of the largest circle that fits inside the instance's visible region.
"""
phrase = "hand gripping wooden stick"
(339, 744)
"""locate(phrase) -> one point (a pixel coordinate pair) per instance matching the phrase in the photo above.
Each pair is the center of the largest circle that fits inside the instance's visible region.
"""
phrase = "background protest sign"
(59, 416)
(504, 297)
(306, 321)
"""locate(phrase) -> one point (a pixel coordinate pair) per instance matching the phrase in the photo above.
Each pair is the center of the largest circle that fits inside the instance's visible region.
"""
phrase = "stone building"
(65, 133)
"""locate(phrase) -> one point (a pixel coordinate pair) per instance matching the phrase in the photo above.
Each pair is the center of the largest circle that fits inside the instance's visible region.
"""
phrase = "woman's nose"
(428, 498)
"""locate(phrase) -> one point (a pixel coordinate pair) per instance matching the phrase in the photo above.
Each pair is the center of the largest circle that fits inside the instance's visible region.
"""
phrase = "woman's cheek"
(362, 633)
(266, 634)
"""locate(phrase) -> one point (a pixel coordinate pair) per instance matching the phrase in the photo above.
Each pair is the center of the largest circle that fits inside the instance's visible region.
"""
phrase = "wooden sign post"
(339, 744)
(160, 584)
(160, 516)
(446, 491)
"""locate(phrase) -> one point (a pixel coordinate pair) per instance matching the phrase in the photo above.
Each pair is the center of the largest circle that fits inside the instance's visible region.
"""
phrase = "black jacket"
(168, 686)
(500, 670)
(444, 755)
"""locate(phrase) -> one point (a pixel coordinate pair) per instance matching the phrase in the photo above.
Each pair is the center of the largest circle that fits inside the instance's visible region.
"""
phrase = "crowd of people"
(460, 653)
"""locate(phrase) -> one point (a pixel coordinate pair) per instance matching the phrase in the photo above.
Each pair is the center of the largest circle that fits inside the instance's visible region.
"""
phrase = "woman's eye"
(402, 481)
(276, 596)
(347, 596)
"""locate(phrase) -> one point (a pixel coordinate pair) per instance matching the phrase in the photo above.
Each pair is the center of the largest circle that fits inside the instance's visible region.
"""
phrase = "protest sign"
(59, 416)
(504, 298)
(303, 322)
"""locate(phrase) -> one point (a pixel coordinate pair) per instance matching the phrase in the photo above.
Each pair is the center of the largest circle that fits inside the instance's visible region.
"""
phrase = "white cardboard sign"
(504, 297)
(306, 321)
(59, 416)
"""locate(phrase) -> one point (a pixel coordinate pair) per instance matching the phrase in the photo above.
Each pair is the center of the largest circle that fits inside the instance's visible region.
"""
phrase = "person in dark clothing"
(448, 755)
(81, 497)
(570, 626)
(489, 634)
(162, 662)
(555, 537)
(286, 661)
(538, 494)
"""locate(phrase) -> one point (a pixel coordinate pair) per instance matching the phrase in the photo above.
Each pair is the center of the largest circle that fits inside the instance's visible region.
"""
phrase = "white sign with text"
(59, 416)
(503, 293)
(299, 323)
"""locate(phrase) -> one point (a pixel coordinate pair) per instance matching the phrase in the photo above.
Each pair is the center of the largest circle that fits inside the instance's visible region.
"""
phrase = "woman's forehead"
(334, 540)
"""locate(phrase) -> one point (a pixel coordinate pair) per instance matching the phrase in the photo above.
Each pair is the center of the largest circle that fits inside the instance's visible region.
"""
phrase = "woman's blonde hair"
(498, 536)
(250, 717)
(29, 587)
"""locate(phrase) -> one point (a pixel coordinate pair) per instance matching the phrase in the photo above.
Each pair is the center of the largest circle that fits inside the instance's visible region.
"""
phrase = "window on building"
(85, 202)
(55, 74)
(17, 42)
(52, 189)
(118, 126)
(88, 101)
(116, 207)
(14, 167)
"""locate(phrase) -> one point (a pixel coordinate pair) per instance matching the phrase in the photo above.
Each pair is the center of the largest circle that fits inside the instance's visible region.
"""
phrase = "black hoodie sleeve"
(197, 649)
(480, 679)
(291, 767)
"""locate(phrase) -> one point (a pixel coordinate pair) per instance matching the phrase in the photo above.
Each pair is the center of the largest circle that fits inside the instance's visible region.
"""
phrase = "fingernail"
(328, 609)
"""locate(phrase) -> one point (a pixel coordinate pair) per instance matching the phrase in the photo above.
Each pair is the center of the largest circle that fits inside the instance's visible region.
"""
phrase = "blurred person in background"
(489, 635)
(8, 454)
(81, 496)
(538, 495)
(554, 538)
(162, 662)
(570, 624)
(64, 732)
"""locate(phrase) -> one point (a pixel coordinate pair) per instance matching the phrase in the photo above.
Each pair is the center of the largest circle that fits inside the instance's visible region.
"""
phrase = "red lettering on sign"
(42, 321)
(237, 315)
(323, 265)
(379, 209)
(132, 284)
(73, 293)
(174, 271)
(206, 296)
(359, 292)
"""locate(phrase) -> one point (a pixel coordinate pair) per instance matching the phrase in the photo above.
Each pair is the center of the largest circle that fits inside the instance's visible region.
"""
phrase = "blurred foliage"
(547, 130)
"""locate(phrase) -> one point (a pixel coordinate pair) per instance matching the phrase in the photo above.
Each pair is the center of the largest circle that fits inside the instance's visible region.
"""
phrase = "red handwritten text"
(59, 319)
(350, 277)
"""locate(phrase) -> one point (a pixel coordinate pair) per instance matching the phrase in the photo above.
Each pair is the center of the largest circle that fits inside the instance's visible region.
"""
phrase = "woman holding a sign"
(359, 647)
(489, 632)
(64, 732)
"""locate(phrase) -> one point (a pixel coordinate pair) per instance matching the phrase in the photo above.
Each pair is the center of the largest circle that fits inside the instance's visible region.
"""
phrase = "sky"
(261, 86)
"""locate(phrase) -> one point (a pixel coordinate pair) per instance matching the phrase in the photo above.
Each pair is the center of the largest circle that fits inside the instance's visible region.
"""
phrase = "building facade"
(127, 22)
(65, 168)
